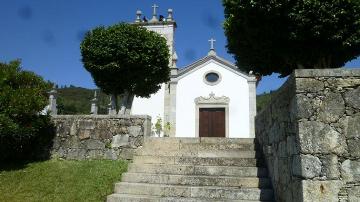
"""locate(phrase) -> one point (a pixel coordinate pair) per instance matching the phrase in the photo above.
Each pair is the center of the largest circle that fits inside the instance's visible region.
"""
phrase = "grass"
(60, 180)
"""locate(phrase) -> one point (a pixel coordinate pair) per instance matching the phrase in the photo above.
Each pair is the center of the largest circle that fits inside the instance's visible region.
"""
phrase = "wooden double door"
(212, 122)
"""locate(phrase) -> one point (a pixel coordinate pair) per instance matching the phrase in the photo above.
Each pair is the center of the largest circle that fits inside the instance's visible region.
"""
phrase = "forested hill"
(262, 101)
(77, 100)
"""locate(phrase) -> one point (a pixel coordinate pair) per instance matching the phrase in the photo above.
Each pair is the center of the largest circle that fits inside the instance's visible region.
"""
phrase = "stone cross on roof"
(212, 49)
(212, 44)
(154, 18)
(154, 7)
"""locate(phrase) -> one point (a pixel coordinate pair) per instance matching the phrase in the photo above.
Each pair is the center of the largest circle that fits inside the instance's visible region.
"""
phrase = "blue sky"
(46, 34)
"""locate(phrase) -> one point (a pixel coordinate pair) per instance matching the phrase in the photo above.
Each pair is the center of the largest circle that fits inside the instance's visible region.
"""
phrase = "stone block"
(71, 142)
(354, 194)
(354, 147)
(94, 144)
(317, 137)
(276, 172)
(282, 150)
(135, 131)
(101, 134)
(284, 170)
(308, 85)
(73, 129)
(87, 124)
(120, 141)
(76, 154)
(353, 126)
(321, 191)
(274, 134)
(295, 187)
(62, 130)
(332, 108)
(344, 82)
(95, 154)
(84, 134)
(60, 153)
(292, 147)
(330, 167)
(352, 98)
(350, 170)
(306, 166)
(304, 106)
(137, 121)
(338, 72)
(111, 154)
(136, 142)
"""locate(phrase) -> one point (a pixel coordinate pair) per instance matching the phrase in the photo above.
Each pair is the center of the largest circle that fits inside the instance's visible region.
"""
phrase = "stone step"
(170, 140)
(149, 198)
(197, 180)
(212, 192)
(231, 153)
(199, 170)
(205, 161)
(198, 144)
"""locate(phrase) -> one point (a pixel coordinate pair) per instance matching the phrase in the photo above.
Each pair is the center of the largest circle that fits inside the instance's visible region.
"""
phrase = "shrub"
(24, 133)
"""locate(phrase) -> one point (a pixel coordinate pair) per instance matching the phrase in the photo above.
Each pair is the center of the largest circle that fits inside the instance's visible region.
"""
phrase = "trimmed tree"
(24, 133)
(127, 60)
(279, 36)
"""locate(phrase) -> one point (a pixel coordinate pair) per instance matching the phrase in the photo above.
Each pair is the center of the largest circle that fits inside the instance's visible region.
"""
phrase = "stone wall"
(310, 136)
(99, 136)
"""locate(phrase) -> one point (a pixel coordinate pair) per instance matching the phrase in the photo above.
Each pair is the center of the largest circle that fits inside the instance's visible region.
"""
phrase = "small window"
(212, 78)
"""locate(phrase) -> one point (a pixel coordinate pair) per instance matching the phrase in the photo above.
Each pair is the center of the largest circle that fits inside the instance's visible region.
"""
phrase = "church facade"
(209, 98)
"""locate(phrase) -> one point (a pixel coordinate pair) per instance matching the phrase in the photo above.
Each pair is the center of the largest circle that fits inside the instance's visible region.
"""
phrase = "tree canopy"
(23, 95)
(126, 58)
(279, 36)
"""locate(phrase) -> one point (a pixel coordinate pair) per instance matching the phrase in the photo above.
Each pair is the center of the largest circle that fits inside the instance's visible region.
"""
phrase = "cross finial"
(154, 18)
(212, 43)
(154, 7)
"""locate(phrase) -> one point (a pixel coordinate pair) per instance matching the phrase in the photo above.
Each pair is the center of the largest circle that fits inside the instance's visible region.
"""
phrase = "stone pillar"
(170, 107)
(252, 106)
(52, 102)
(112, 106)
(94, 107)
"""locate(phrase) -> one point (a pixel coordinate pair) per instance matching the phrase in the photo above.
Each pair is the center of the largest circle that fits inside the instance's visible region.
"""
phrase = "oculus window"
(212, 78)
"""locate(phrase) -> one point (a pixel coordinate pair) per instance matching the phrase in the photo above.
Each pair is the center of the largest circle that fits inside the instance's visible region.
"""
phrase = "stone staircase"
(195, 169)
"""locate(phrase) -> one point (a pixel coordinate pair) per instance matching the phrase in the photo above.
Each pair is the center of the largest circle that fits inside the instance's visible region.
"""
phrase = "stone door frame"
(212, 102)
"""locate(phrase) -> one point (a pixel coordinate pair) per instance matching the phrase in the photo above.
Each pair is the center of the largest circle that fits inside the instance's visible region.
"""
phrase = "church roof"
(226, 64)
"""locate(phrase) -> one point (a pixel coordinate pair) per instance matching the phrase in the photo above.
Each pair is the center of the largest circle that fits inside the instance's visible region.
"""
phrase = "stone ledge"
(338, 72)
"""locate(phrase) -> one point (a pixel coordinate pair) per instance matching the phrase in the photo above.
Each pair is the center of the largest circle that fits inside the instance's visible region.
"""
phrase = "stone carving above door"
(212, 99)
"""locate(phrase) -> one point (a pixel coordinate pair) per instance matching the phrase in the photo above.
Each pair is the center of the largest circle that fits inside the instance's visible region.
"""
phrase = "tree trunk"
(126, 103)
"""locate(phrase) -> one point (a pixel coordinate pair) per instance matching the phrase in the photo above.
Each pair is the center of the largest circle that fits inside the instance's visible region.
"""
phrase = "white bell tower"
(165, 26)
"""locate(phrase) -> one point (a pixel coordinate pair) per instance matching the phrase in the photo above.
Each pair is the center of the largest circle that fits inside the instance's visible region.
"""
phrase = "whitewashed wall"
(153, 106)
(232, 85)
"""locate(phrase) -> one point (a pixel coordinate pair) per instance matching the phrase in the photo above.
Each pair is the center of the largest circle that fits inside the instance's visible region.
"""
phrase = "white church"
(209, 98)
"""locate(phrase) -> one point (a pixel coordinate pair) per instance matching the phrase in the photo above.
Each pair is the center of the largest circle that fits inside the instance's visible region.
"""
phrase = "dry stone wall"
(99, 136)
(310, 136)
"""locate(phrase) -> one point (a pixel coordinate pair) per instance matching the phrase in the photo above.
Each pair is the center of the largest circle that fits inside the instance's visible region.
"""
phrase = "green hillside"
(77, 100)
(263, 100)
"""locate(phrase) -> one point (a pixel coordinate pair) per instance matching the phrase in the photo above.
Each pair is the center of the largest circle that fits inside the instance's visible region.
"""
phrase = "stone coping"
(103, 116)
(338, 72)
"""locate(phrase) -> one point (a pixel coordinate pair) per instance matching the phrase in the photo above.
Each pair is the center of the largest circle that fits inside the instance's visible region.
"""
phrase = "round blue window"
(212, 77)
